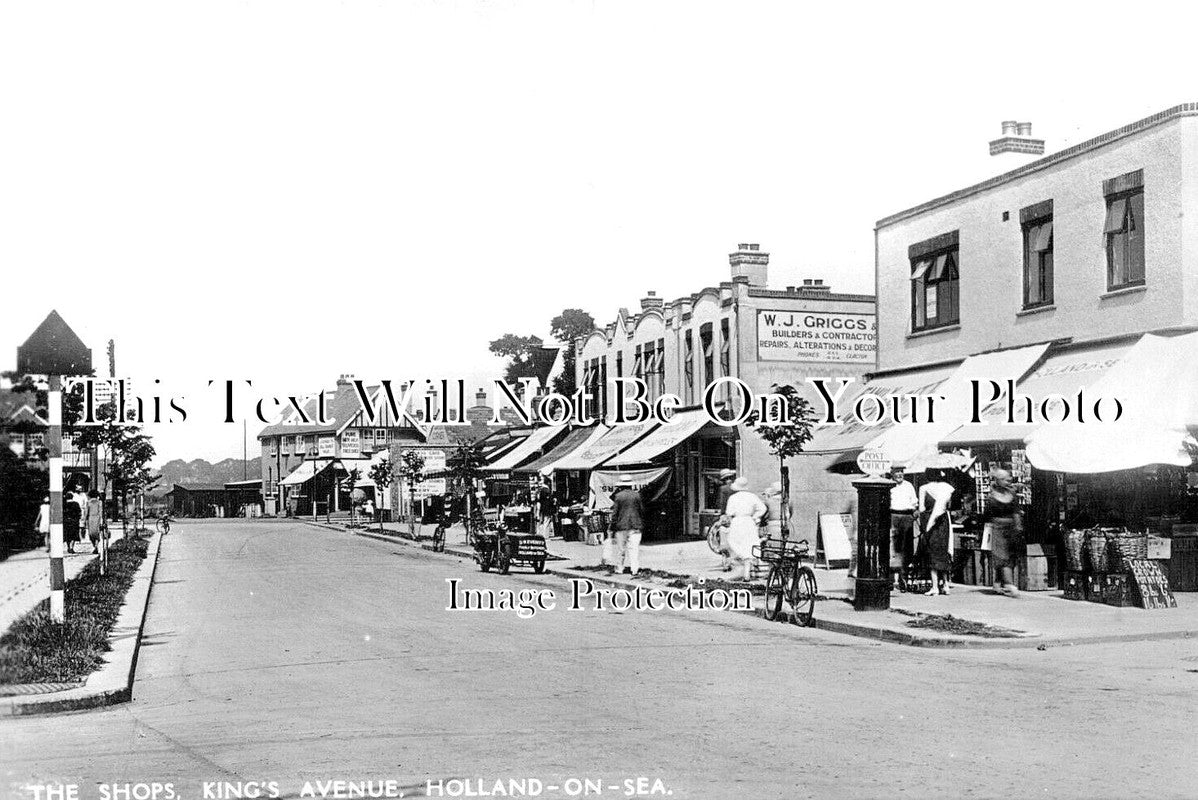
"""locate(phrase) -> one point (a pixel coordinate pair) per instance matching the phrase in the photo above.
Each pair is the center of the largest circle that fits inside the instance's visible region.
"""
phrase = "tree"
(350, 480)
(786, 439)
(381, 475)
(128, 450)
(411, 470)
(519, 352)
(566, 327)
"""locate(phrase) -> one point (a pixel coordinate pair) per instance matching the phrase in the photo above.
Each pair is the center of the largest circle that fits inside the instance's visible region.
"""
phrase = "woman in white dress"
(745, 511)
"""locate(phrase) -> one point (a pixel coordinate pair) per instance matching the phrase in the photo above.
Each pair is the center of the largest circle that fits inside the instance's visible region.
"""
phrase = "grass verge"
(36, 650)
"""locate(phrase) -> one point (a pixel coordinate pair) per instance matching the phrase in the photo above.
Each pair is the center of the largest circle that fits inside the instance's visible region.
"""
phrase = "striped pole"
(58, 605)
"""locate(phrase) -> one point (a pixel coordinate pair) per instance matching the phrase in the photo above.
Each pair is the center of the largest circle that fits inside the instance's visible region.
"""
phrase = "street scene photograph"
(598, 399)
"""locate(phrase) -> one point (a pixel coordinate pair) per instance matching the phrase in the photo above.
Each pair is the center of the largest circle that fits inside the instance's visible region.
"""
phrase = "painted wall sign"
(326, 446)
(351, 443)
(820, 336)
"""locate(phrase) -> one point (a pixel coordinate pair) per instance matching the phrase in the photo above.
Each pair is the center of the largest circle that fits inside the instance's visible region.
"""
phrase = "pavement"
(25, 578)
(1033, 619)
(280, 652)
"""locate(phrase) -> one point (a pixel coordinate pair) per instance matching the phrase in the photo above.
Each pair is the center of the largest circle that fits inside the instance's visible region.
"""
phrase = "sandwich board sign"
(832, 538)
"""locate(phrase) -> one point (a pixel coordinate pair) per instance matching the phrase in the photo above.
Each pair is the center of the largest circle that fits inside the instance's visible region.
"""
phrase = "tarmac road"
(278, 651)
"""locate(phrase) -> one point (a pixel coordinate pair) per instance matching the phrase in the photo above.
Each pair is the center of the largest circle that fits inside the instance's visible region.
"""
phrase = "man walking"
(903, 505)
(627, 522)
(727, 476)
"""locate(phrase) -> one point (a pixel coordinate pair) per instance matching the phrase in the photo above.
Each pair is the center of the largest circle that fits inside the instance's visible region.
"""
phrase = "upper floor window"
(705, 337)
(688, 366)
(1124, 230)
(725, 349)
(1037, 254)
(934, 283)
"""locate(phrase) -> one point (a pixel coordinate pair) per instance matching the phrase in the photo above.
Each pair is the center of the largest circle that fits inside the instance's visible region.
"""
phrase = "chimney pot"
(1009, 127)
(1025, 129)
(749, 261)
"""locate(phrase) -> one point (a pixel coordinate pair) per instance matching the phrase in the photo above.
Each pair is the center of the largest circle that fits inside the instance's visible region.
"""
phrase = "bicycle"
(163, 525)
(789, 579)
(713, 536)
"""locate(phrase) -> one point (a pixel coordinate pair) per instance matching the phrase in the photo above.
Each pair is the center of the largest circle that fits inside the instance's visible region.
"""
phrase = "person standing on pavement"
(934, 497)
(745, 512)
(1002, 515)
(545, 508)
(903, 505)
(93, 519)
(71, 517)
(727, 476)
(627, 522)
(42, 525)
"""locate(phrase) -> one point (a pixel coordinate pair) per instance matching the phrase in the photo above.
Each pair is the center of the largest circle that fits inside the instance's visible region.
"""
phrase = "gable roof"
(342, 407)
(54, 347)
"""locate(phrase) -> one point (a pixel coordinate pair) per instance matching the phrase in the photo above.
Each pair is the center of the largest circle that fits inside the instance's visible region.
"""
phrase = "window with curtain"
(934, 290)
(1124, 231)
(1037, 263)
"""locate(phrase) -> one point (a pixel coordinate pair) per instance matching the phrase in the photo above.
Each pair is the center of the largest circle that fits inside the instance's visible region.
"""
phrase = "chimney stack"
(652, 302)
(815, 286)
(749, 262)
(480, 397)
(1017, 138)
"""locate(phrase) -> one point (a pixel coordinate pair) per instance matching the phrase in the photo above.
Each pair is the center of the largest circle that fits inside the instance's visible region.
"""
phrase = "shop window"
(688, 367)
(715, 454)
(1124, 231)
(1037, 263)
(934, 290)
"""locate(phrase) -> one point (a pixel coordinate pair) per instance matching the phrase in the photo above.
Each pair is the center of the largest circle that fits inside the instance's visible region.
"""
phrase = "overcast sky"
(289, 191)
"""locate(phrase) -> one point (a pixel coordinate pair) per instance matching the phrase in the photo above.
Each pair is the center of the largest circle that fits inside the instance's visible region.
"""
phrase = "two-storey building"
(1053, 275)
(742, 329)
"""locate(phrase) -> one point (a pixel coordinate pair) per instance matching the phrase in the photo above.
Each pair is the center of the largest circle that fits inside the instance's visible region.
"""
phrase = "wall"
(991, 258)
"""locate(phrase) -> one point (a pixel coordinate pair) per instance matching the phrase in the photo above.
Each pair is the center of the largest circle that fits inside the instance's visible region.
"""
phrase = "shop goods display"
(1096, 551)
(1116, 590)
(1075, 548)
(1123, 546)
(1074, 584)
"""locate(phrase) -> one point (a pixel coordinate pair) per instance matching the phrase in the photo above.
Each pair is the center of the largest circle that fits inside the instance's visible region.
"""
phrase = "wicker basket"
(1124, 546)
(1075, 550)
(1096, 550)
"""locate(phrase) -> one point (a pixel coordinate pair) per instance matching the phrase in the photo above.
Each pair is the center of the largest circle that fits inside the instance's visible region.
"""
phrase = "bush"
(36, 650)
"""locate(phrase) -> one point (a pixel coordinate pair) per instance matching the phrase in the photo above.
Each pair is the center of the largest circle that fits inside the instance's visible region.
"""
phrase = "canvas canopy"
(527, 448)
(601, 448)
(1157, 383)
(916, 442)
(663, 438)
(1061, 376)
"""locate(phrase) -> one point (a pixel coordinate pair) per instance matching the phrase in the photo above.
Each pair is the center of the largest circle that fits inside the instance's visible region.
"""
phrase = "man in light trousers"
(627, 522)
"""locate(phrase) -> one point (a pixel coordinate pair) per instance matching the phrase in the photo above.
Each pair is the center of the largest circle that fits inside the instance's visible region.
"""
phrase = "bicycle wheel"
(802, 596)
(776, 591)
(713, 537)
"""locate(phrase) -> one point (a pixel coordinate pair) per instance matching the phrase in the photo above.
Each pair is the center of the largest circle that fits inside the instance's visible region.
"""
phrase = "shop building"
(742, 328)
(303, 464)
(1066, 274)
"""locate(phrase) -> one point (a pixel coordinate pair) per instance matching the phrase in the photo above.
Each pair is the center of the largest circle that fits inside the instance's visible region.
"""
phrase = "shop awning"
(536, 441)
(917, 442)
(571, 442)
(1062, 374)
(610, 443)
(663, 438)
(499, 451)
(565, 459)
(305, 472)
(1156, 382)
(851, 436)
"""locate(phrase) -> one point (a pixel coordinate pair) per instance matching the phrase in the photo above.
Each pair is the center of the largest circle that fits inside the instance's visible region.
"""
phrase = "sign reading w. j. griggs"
(833, 401)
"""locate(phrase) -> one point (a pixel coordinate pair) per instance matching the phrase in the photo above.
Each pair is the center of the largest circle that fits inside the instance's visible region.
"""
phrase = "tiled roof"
(341, 405)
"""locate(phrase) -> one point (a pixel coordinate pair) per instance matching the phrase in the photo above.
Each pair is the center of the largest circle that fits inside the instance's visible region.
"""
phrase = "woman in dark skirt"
(71, 516)
(934, 498)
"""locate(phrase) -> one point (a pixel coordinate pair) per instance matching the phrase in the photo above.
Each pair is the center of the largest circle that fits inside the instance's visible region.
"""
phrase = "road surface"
(283, 652)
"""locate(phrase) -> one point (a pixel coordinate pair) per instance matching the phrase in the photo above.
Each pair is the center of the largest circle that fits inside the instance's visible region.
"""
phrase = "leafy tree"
(22, 488)
(519, 352)
(566, 327)
(786, 439)
(128, 451)
(381, 475)
(410, 469)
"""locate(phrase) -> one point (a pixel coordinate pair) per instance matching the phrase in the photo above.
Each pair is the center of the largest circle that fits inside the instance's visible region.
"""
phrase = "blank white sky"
(288, 191)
